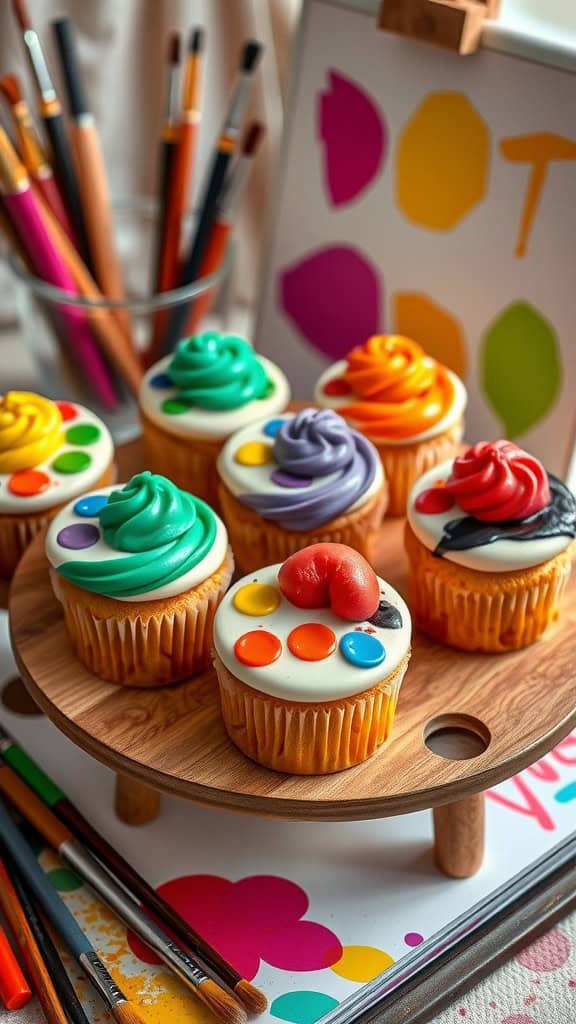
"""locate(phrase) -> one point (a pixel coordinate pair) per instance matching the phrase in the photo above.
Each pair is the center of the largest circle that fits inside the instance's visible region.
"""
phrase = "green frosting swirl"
(217, 371)
(167, 532)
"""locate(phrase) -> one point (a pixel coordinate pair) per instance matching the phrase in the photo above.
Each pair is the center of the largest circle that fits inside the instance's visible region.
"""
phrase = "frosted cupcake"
(192, 401)
(139, 570)
(310, 656)
(490, 543)
(299, 479)
(408, 404)
(50, 452)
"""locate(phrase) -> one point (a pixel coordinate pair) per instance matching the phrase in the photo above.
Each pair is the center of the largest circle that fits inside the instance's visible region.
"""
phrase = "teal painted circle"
(362, 649)
(83, 433)
(175, 406)
(72, 462)
(302, 1007)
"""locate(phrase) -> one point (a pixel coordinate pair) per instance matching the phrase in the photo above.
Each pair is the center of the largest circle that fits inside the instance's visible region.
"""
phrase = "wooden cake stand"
(464, 722)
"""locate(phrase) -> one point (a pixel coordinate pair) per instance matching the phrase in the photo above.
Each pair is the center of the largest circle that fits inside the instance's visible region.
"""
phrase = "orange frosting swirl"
(401, 391)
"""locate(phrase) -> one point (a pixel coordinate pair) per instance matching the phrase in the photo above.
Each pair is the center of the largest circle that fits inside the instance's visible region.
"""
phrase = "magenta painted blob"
(334, 297)
(413, 938)
(354, 136)
(257, 918)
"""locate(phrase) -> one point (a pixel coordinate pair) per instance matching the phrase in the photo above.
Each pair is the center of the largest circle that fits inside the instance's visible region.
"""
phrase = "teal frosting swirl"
(218, 371)
(165, 530)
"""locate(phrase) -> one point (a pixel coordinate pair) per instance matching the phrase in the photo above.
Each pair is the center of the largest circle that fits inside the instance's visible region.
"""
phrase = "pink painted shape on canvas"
(257, 918)
(334, 297)
(354, 138)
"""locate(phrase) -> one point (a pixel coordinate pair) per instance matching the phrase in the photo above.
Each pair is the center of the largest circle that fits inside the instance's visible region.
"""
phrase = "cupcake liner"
(484, 611)
(404, 463)
(257, 542)
(189, 462)
(18, 531)
(146, 643)
(308, 739)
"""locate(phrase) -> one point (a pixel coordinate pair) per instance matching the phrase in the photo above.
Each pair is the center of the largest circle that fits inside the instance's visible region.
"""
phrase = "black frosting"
(386, 616)
(557, 519)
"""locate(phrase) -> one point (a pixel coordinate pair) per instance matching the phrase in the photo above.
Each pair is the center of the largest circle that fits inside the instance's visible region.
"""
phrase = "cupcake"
(408, 404)
(192, 401)
(139, 570)
(490, 541)
(299, 479)
(324, 607)
(50, 452)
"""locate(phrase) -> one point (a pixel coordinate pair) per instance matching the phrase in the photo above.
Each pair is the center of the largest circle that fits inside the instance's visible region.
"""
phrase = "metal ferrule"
(41, 72)
(238, 103)
(101, 979)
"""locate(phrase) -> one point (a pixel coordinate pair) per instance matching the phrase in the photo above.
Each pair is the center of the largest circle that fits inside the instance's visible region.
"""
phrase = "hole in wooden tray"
(456, 737)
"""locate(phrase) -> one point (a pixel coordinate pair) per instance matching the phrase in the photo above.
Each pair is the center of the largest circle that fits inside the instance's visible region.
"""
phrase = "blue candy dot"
(161, 381)
(272, 427)
(90, 507)
(362, 649)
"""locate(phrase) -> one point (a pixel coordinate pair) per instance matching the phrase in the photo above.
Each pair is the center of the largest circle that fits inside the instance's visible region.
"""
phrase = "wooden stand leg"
(459, 836)
(136, 804)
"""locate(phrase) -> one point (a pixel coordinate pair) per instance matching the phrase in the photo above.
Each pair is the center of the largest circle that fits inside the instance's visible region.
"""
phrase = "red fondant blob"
(433, 501)
(496, 481)
(331, 576)
(67, 411)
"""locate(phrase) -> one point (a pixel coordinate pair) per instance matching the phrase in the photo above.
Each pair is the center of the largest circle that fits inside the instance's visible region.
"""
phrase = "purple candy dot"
(289, 479)
(161, 381)
(413, 938)
(78, 536)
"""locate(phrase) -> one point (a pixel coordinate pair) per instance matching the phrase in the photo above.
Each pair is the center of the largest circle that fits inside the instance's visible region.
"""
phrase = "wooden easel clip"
(454, 24)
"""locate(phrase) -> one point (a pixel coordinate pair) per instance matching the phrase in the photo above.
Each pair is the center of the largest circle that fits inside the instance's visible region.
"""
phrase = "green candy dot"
(84, 433)
(175, 406)
(71, 462)
(64, 880)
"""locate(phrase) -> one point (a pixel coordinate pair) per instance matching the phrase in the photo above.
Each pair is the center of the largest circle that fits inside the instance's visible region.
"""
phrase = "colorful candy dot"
(289, 479)
(257, 648)
(83, 433)
(302, 1007)
(257, 599)
(161, 381)
(386, 616)
(362, 650)
(67, 411)
(71, 462)
(312, 641)
(413, 938)
(272, 427)
(28, 482)
(433, 501)
(254, 453)
(337, 386)
(78, 536)
(91, 505)
(175, 406)
(362, 963)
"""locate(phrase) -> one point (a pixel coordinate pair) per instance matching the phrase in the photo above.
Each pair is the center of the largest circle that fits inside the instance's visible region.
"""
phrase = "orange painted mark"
(539, 150)
(28, 482)
(439, 332)
(257, 648)
(312, 641)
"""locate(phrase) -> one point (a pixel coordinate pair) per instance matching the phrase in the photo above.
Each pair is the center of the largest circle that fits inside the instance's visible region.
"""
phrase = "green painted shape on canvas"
(520, 367)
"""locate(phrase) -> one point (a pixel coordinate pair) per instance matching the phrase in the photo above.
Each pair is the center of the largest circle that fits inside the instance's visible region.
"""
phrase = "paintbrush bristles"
(126, 1013)
(21, 14)
(174, 48)
(250, 55)
(196, 44)
(222, 1004)
(251, 997)
(252, 138)
(10, 88)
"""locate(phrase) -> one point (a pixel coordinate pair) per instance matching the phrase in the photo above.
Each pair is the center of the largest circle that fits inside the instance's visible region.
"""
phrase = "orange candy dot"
(312, 642)
(257, 648)
(28, 482)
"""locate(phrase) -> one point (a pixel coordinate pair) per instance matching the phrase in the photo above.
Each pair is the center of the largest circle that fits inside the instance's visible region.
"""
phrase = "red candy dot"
(433, 501)
(67, 411)
(257, 648)
(28, 482)
(312, 642)
(336, 386)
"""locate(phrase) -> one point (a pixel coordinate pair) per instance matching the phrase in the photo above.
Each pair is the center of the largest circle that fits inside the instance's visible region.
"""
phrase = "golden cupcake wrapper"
(189, 462)
(404, 463)
(308, 739)
(18, 531)
(484, 611)
(257, 542)
(146, 643)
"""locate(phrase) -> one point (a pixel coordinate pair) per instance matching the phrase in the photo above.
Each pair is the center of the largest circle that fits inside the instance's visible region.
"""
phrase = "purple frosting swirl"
(317, 443)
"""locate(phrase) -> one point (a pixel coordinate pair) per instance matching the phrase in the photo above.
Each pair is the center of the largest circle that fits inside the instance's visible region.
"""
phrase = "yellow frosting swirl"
(30, 430)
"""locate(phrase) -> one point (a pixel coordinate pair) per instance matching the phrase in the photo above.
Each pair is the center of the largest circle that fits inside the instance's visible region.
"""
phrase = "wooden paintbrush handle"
(32, 808)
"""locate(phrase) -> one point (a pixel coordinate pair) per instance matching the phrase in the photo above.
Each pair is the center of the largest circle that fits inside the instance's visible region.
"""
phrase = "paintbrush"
(51, 114)
(17, 758)
(168, 146)
(124, 906)
(209, 202)
(64, 923)
(14, 989)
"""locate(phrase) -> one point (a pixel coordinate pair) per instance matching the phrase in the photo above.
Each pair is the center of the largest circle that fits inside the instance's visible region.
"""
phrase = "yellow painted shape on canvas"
(442, 162)
(362, 963)
(438, 331)
(538, 149)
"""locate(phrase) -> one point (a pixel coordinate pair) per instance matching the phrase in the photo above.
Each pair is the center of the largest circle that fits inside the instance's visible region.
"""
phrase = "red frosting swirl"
(495, 481)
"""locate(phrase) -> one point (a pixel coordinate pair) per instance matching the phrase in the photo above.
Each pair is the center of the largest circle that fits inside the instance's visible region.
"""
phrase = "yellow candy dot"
(254, 453)
(362, 963)
(257, 599)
